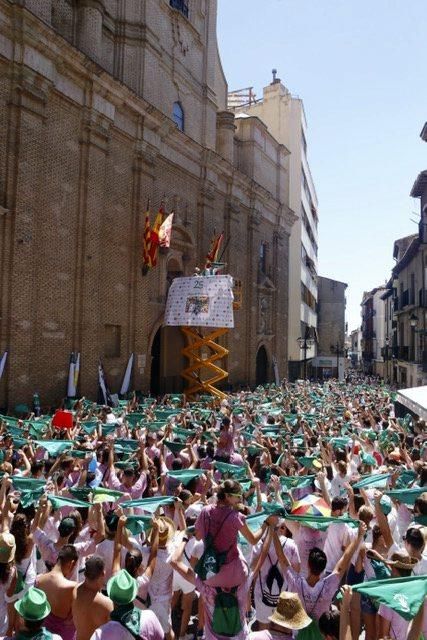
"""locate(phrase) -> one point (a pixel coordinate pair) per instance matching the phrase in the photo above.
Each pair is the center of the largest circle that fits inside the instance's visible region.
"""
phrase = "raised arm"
(343, 563)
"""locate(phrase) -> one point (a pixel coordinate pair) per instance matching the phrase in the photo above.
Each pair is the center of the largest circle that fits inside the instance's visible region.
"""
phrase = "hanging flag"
(71, 386)
(154, 238)
(105, 393)
(214, 250)
(146, 244)
(165, 231)
(126, 379)
(3, 363)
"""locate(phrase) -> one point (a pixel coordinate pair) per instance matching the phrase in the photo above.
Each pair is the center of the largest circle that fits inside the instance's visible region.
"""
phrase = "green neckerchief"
(174, 447)
(30, 497)
(149, 504)
(127, 443)
(422, 520)
(41, 634)
(27, 484)
(62, 501)
(135, 418)
(373, 480)
(138, 524)
(296, 482)
(185, 475)
(407, 496)
(403, 595)
(405, 478)
(89, 427)
(128, 616)
(231, 469)
(321, 523)
(101, 494)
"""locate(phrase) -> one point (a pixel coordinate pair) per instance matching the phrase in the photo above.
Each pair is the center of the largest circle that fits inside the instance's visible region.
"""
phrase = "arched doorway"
(262, 366)
(155, 364)
(167, 361)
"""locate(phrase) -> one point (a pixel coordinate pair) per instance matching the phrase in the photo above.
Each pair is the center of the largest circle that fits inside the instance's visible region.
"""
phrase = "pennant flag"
(165, 231)
(105, 393)
(154, 238)
(3, 363)
(58, 502)
(407, 496)
(105, 495)
(404, 595)
(149, 504)
(214, 249)
(378, 480)
(146, 264)
(127, 377)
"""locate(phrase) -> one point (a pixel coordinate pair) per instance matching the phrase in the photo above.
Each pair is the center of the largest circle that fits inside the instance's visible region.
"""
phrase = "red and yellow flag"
(154, 237)
(146, 263)
(214, 250)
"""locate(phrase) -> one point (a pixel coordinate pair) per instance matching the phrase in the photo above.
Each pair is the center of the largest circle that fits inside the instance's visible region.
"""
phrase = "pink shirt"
(149, 629)
(135, 491)
(223, 523)
(315, 600)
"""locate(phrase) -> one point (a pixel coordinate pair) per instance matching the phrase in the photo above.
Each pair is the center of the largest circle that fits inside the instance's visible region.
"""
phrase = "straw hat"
(290, 613)
(167, 530)
(7, 547)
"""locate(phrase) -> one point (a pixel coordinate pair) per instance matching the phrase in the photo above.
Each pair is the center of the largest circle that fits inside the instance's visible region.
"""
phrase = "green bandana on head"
(404, 595)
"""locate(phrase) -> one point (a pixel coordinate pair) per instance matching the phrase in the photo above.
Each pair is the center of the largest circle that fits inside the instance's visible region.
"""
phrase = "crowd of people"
(292, 511)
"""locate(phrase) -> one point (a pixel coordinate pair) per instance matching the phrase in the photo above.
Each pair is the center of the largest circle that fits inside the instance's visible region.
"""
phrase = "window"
(112, 340)
(180, 5)
(178, 115)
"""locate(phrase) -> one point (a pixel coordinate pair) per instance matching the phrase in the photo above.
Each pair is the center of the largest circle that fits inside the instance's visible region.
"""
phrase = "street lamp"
(413, 320)
(305, 343)
(387, 343)
(339, 351)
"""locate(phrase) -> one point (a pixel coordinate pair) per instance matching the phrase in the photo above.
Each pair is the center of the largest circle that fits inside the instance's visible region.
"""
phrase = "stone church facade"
(104, 106)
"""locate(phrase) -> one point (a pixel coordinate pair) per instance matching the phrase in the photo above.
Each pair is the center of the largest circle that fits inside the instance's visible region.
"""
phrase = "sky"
(359, 66)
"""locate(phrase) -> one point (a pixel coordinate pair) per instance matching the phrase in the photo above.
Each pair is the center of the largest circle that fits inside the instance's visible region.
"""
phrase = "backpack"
(269, 594)
(211, 561)
(226, 620)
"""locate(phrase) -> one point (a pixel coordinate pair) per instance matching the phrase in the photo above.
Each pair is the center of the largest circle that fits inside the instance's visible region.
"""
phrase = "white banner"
(200, 301)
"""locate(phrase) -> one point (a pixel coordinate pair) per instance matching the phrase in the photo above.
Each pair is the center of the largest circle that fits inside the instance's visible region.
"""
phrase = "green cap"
(33, 605)
(122, 588)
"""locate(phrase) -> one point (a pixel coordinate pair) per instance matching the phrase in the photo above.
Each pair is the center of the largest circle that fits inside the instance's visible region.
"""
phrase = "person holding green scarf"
(127, 622)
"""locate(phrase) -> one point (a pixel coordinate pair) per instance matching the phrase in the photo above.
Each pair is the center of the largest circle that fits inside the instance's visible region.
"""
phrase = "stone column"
(225, 135)
(89, 28)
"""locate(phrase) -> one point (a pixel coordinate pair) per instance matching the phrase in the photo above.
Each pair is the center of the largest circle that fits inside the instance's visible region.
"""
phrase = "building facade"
(285, 118)
(373, 331)
(331, 328)
(104, 106)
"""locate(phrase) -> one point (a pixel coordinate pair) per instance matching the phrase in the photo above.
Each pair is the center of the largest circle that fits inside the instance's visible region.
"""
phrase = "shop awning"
(414, 399)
